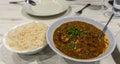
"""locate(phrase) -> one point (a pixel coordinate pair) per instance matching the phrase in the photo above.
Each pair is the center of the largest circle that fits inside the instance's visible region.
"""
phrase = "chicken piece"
(78, 50)
(77, 41)
(64, 38)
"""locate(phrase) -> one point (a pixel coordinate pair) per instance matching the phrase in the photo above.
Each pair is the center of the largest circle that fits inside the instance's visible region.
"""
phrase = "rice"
(27, 37)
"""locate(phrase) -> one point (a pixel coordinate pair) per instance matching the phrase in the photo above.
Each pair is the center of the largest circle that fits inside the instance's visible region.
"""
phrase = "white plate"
(118, 41)
(46, 7)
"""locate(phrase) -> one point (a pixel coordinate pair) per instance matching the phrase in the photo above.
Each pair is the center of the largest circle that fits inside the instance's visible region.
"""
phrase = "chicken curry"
(79, 40)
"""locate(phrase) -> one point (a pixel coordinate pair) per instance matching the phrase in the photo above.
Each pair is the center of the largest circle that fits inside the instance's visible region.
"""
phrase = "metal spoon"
(30, 2)
(80, 11)
(15, 2)
(105, 27)
(27, 1)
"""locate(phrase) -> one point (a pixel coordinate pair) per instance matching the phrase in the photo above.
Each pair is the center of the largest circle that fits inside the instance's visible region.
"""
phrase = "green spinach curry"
(79, 40)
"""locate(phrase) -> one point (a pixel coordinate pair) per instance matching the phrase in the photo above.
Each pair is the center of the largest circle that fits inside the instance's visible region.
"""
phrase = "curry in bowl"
(79, 40)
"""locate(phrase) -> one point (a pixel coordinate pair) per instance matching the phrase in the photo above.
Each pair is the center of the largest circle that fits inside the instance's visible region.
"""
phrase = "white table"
(11, 15)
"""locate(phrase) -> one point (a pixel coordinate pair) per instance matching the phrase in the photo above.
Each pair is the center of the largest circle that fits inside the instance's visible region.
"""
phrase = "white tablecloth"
(11, 15)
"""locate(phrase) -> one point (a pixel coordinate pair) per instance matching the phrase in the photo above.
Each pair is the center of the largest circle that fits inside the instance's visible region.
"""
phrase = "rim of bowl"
(17, 51)
(73, 59)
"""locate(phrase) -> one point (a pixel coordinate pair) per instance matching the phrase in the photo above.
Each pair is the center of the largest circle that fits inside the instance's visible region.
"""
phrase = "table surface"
(13, 14)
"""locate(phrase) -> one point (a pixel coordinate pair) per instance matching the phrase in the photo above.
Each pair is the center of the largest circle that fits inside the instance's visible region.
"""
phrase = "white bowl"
(108, 33)
(17, 51)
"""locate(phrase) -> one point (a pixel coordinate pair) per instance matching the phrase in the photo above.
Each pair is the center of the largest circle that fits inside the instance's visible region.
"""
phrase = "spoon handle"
(105, 27)
(84, 7)
(15, 2)
(108, 22)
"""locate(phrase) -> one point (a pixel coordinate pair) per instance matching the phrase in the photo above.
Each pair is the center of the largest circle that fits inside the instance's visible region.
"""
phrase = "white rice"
(27, 37)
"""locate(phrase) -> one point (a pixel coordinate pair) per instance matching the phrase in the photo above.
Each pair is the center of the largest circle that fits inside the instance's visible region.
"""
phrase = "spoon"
(80, 11)
(30, 2)
(110, 2)
(15, 2)
(27, 1)
(105, 27)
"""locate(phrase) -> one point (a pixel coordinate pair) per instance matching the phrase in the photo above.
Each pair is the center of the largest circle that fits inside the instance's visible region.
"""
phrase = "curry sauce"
(79, 40)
